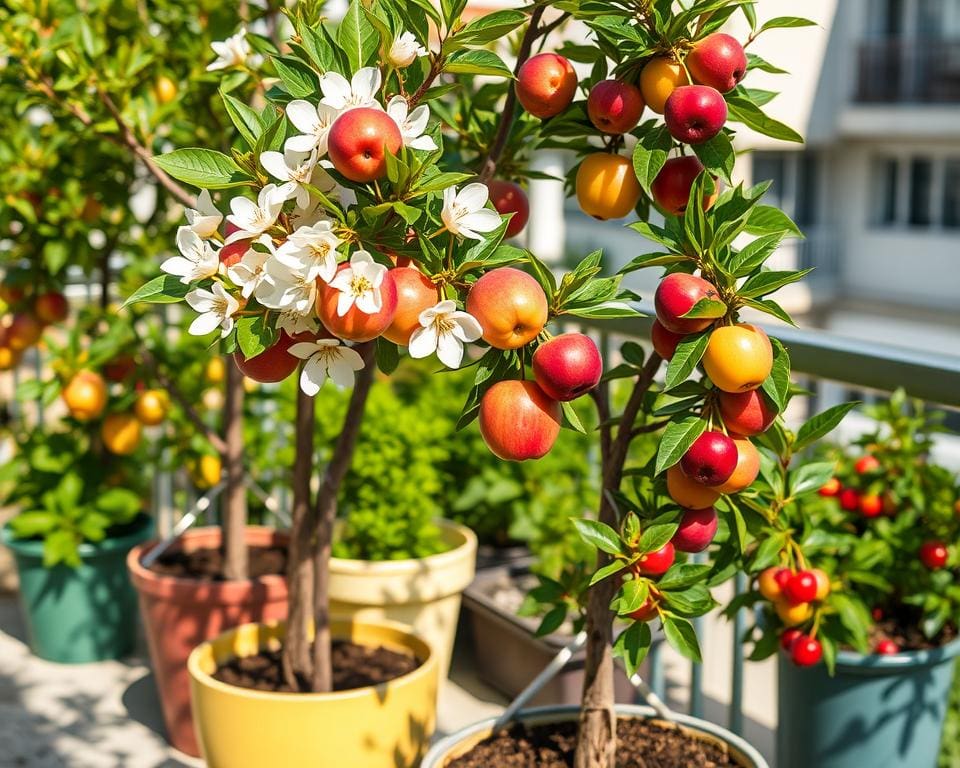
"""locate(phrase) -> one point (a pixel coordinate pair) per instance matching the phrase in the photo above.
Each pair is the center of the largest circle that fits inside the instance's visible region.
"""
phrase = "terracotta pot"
(423, 593)
(179, 614)
(383, 726)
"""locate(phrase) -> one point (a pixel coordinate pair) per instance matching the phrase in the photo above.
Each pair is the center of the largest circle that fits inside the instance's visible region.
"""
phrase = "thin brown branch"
(218, 443)
(621, 444)
(646, 429)
(236, 557)
(436, 67)
(555, 24)
(510, 105)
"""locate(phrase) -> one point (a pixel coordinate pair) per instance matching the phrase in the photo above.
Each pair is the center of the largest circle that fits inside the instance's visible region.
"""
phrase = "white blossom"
(359, 284)
(464, 212)
(254, 218)
(205, 218)
(296, 322)
(405, 50)
(326, 358)
(233, 52)
(314, 123)
(198, 261)
(216, 308)
(312, 250)
(411, 125)
(444, 329)
(248, 273)
(286, 288)
(361, 91)
(294, 169)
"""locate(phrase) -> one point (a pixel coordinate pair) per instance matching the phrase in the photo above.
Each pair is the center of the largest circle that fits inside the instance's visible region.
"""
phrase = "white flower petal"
(423, 342)
(473, 196)
(204, 324)
(449, 350)
(304, 349)
(303, 115)
(344, 303)
(365, 83)
(484, 220)
(466, 328)
(313, 375)
(275, 164)
(425, 143)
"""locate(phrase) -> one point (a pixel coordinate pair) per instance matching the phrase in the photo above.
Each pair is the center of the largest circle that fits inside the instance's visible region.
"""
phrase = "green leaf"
(786, 22)
(707, 308)
(754, 254)
(654, 537)
(165, 289)
(769, 282)
(743, 111)
(477, 63)
(681, 635)
(387, 356)
(204, 168)
(811, 477)
(490, 27)
(822, 424)
(27, 525)
(571, 418)
(254, 335)
(298, 79)
(756, 62)
(553, 620)
(245, 119)
(777, 384)
(599, 535)
(633, 594)
(767, 219)
(693, 601)
(683, 575)
(650, 154)
(645, 260)
(357, 36)
(606, 310)
(717, 156)
(632, 645)
(544, 276)
(610, 569)
(119, 503)
(677, 439)
(686, 358)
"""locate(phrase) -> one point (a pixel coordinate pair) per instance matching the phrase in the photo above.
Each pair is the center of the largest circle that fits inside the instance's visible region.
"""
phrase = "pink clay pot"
(179, 614)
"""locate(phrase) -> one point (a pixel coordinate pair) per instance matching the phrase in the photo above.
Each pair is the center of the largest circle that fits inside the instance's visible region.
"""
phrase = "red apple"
(615, 106)
(24, 331)
(357, 325)
(711, 459)
(676, 295)
(120, 368)
(696, 531)
(887, 648)
(359, 141)
(274, 363)
(801, 588)
(671, 188)
(567, 366)
(231, 254)
(415, 293)
(806, 651)
(51, 307)
(871, 505)
(718, 61)
(789, 637)
(655, 563)
(866, 464)
(518, 421)
(645, 612)
(695, 114)
(933, 554)
(664, 341)
(510, 306)
(746, 413)
(508, 197)
(546, 84)
(831, 488)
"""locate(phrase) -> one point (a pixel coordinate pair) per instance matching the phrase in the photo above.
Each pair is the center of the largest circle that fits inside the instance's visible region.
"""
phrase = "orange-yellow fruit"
(216, 371)
(793, 615)
(689, 493)
(165, 89)
(151, 407)
(85, 395)
(121, 433)
(9, 358)
(510, 306)
(659, 78)
(823, 583)
(770, 585)
(206, 471)
(607, 186)
(415, 293)
(747, 469)
(738, 357)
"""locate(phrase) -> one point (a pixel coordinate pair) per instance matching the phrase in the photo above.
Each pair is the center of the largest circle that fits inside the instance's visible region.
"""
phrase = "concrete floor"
(106, 715)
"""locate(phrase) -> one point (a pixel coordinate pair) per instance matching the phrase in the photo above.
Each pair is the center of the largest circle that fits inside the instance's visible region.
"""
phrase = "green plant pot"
(84, 614)
(876, 712)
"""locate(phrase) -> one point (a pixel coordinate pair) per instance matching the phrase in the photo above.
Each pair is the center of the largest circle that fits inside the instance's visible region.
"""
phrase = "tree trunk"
(297, 660)
(597, 739)
(326, 512)
(235, 497)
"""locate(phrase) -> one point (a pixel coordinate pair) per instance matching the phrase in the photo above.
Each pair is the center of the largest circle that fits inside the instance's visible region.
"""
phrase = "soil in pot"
(641, 744)
(901, 623)
(206, 564)
(354, 666)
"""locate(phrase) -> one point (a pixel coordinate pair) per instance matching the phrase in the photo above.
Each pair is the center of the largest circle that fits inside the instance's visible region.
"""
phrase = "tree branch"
(510, 106)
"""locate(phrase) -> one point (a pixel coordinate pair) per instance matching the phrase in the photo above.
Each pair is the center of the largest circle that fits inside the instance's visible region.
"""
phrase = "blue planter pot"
(876, 712)
(83, 614)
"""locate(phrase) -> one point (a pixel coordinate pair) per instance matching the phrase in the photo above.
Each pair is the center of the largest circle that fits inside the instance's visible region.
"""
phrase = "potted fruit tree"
(342, 177)
(882, 533)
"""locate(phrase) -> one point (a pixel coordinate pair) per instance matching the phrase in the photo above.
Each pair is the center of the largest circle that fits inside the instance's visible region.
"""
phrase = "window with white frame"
(916, 191)
(795, 177)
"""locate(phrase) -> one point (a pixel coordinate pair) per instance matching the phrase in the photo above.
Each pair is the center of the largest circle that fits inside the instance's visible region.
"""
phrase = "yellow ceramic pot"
(423, 594)
(385, 726)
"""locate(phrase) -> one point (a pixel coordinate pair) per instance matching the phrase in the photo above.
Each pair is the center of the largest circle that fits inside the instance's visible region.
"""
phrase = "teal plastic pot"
(462, 741)
(84, 614)
(876, 712)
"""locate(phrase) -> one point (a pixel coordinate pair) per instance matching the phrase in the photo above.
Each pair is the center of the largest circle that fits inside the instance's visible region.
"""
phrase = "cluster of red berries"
(792, 594)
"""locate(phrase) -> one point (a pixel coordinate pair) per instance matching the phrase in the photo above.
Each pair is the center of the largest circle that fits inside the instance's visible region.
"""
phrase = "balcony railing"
(912, 71)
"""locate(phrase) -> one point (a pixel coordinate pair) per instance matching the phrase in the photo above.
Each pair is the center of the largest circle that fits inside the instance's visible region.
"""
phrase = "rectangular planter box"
(508, 653)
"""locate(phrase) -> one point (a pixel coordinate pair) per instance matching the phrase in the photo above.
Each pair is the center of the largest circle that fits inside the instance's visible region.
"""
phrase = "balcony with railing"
(908, 71)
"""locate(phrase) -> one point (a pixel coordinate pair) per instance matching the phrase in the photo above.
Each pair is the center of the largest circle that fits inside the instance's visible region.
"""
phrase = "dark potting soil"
(207, 564)
(354, 666)
(641, 744)
(902, 625)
